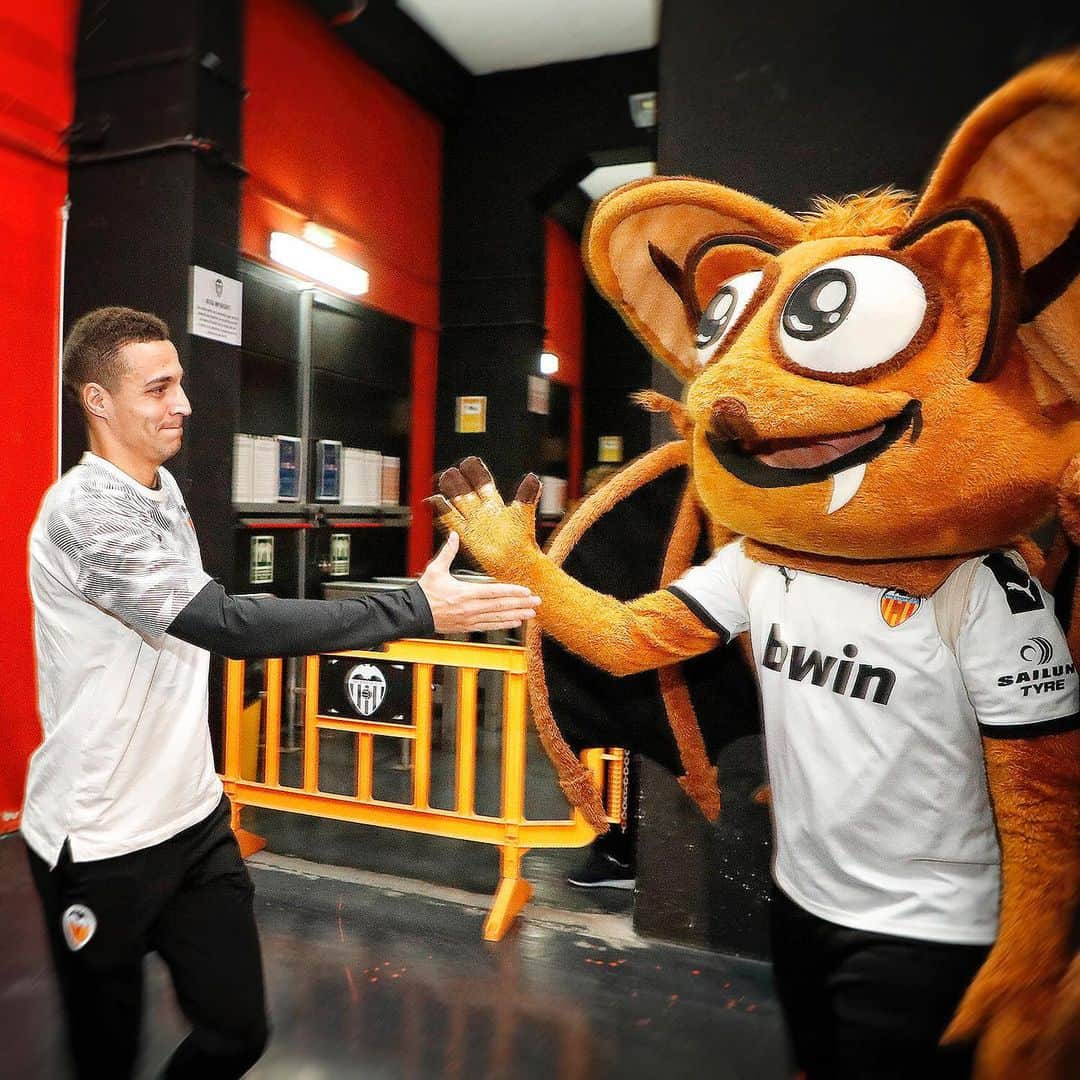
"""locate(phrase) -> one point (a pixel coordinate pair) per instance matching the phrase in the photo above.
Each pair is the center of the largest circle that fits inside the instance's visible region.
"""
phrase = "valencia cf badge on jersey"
(897, 606)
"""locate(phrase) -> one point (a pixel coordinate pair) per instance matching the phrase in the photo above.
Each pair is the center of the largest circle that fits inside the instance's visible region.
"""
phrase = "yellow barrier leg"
(512, 895)
(249, 842)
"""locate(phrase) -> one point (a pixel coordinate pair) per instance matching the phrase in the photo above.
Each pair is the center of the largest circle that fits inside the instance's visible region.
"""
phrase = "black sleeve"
(243, 627)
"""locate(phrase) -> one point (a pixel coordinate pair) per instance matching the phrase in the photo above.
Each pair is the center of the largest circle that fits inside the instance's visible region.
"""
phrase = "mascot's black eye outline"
(819, 304)
(722, 311)
(849, 316)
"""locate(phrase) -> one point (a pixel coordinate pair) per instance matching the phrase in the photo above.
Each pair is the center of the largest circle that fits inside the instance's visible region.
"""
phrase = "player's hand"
(460, 607)
(501, 538)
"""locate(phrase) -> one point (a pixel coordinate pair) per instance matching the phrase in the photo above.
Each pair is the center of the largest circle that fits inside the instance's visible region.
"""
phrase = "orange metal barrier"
(511, 832)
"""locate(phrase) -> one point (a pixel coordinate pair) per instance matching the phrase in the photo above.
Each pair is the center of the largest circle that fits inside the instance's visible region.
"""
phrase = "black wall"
(145, 207)
(522, 142)
(786, 102)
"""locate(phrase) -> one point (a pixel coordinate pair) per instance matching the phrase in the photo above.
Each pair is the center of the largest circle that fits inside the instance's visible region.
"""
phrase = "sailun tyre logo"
(1036, 650)
(366, 687)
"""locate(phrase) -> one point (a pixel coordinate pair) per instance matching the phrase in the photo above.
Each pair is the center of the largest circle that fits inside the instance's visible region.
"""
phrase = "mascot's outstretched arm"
(653, 631)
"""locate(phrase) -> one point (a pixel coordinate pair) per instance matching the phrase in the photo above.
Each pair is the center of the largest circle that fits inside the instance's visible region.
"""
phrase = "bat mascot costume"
(877, 477)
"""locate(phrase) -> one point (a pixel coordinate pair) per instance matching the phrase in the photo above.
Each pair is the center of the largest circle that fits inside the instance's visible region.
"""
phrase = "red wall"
(564, 297)
(328, 139)
(36, 103)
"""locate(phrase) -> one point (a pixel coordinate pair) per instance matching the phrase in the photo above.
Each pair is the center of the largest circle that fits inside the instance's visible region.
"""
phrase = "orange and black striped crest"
(898, 606)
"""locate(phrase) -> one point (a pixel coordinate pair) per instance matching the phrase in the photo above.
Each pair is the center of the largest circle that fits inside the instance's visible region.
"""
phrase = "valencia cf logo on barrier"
(78, 923)
(898, 606)
(366, 688)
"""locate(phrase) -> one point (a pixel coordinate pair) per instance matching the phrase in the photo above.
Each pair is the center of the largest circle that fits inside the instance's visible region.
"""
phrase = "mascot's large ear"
(1020, 151)
(640, 239)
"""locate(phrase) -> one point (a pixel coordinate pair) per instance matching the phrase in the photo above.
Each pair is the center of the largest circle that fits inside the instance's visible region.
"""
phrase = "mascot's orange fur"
(952, 429)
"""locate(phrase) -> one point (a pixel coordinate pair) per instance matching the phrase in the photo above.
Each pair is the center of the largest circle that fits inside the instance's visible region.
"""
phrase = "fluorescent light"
(315, 263)
(606, 178)
(317, 235)
(549, 363)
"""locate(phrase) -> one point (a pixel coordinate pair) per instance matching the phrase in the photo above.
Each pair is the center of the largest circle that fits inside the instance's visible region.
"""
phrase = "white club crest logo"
(366, 688)
(78, 923)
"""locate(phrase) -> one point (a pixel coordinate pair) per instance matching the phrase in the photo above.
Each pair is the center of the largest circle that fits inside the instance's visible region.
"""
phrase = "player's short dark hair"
(92, 348)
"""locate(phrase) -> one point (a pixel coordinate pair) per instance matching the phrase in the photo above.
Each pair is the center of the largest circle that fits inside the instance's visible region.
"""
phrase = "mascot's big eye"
(852, 314)
(722, 311)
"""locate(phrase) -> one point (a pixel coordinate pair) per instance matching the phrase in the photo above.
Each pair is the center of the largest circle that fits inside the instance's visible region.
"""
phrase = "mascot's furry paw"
(1022, 1031)
(501, 538)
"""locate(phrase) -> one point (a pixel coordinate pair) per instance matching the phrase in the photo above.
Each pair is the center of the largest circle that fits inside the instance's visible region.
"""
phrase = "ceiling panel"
(500, 35)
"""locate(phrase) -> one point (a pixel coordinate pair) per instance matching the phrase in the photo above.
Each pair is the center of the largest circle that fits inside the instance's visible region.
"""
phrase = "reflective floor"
(373, 976)
(376, 966)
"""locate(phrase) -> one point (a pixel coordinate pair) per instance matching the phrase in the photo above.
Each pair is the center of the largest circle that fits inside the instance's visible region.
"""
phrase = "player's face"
(149, 405)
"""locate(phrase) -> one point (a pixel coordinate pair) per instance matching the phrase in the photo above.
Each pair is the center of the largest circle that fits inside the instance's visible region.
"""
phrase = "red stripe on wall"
(36, 103)
(422, 452)
(564, 297)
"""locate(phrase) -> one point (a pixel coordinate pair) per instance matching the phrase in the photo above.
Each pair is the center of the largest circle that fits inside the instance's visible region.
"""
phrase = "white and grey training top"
(872, 725)
(123, 617)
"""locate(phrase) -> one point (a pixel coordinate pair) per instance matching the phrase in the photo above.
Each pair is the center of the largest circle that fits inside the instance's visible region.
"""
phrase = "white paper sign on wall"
(217, 305)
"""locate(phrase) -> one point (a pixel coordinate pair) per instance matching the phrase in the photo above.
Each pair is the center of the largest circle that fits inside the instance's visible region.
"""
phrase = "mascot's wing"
(641, 529)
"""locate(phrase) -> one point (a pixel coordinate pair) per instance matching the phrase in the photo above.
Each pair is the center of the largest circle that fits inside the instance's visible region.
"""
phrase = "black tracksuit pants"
(866, 1006)
(190, 900)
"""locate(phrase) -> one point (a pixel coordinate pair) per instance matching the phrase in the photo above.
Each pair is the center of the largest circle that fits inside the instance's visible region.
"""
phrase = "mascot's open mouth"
(791, 462)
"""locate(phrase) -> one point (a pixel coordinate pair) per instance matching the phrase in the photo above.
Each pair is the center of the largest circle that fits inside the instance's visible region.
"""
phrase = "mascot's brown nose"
(731, 421)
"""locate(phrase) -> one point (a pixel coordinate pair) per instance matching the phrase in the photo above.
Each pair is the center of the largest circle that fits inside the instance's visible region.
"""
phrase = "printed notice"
(471, 415)
(261, 570)
(610, 450)
(216, 306)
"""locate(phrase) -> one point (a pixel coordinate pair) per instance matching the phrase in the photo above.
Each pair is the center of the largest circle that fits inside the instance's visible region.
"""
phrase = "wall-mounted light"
(315, 263)
(549, 363)
(317, 235)
(643, 109)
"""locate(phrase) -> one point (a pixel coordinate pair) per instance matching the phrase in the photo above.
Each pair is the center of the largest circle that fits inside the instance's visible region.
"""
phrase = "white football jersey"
(126, 761)
(872, 732)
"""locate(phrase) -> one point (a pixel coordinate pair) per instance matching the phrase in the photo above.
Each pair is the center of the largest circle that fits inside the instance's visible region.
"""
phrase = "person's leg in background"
(611, 859)
(207, 937)
(96, 914)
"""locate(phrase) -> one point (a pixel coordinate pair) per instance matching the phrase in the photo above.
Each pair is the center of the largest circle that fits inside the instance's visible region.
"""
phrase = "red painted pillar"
(422, 445)
(37, 92)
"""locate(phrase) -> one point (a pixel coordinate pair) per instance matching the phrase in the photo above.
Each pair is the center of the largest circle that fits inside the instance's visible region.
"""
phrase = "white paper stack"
(264, 488)
(243, 470)
(391, 481)
(351, 476)
(552, 496)
(371, 470)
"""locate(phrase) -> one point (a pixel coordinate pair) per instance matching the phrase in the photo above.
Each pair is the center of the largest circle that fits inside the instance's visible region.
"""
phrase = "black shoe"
(602, 871)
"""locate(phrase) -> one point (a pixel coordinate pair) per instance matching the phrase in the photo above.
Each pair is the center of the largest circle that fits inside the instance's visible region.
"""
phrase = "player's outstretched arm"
(459, 607)
(623, 638)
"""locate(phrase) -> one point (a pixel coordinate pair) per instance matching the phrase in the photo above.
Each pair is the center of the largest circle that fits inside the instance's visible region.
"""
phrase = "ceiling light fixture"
(317, 235)
(315, 263)
(643, 109)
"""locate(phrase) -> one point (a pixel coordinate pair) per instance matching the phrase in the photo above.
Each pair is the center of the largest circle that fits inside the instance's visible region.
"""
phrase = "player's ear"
(96, 400)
